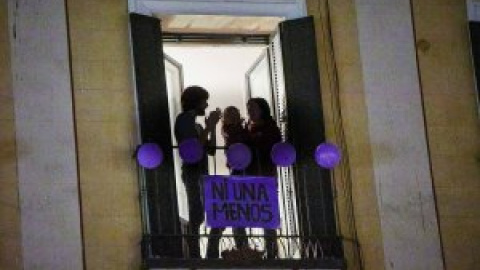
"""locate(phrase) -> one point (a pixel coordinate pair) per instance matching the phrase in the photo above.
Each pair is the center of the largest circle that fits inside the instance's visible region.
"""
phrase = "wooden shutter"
(161, 216)
(306, 128)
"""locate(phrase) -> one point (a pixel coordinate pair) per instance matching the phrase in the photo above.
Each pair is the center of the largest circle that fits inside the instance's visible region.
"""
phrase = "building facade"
(398, 76)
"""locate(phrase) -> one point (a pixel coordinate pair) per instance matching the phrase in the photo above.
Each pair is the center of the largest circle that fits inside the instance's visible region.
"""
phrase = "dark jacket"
(261, 139)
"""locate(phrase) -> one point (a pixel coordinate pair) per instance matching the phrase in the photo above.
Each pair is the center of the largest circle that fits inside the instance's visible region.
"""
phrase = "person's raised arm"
(209, 135)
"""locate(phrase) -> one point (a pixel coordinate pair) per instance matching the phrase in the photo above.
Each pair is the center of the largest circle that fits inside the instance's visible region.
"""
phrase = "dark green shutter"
(306, 128)
(154, 120)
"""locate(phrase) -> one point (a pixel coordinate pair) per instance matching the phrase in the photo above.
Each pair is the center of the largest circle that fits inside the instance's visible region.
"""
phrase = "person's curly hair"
(191, 96)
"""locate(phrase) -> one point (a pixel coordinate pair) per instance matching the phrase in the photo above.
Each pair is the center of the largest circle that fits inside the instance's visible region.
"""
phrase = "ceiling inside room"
(218, 24)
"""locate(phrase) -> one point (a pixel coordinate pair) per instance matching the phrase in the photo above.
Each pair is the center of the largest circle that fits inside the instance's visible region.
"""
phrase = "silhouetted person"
(194, 102)
(263, 133)
(233, 132)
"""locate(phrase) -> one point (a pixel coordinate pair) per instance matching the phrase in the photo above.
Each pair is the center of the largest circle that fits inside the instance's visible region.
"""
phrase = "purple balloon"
(327, 155)
(283, 154)
(239, 156)
(150, 155)
(191, 151)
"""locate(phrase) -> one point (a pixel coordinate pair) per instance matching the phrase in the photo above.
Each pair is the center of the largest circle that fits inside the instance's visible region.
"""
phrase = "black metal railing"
(294, 251)
(300, 244)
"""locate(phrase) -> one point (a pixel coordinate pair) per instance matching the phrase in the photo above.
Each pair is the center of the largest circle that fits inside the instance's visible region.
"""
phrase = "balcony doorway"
(234, 62)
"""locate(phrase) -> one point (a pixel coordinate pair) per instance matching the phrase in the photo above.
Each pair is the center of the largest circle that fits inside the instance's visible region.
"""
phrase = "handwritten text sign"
(241, 201)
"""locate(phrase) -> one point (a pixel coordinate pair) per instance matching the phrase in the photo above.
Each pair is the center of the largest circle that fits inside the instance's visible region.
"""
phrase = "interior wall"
(105, 127)
(453, 126)
(344, 97)
(10, 233)
(219, 69)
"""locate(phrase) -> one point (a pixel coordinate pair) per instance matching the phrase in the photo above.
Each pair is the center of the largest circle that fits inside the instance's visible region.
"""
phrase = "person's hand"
(213, 118)
(242, 121)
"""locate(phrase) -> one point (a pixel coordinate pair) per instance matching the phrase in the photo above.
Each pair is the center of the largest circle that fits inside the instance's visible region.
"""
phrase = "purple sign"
(241, 201)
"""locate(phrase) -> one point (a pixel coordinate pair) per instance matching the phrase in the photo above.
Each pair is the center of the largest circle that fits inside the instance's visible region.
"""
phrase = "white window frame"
(289, 9)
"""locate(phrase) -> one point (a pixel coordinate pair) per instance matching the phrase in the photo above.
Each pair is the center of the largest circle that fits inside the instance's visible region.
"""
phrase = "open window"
(286, 75)
(259, 80)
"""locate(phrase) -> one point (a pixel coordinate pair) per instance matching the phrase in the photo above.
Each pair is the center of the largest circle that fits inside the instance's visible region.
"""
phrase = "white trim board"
(281, 8)
(401, 165)
(45, 136)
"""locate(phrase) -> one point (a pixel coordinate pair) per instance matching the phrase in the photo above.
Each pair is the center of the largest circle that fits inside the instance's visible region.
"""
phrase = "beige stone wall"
(10, 233)
(451, 119)
(453, 125)
(345, 96)
(104, 120)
